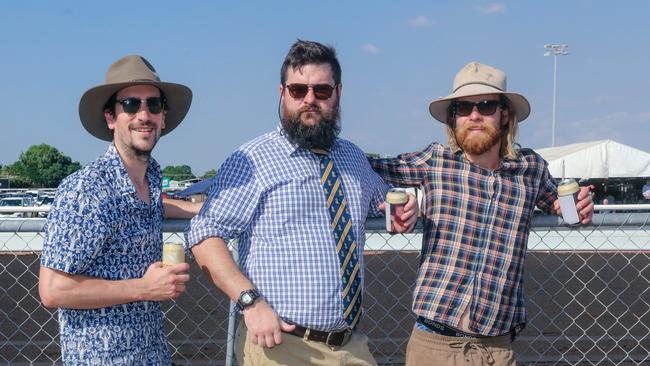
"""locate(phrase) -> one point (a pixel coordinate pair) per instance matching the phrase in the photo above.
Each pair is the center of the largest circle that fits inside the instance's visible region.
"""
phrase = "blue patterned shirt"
(476, 225)
(98, 227)
(268, 195)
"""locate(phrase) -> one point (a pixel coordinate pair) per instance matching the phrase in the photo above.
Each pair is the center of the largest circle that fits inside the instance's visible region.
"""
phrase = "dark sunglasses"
(485, 107)
(321, 91)
(132, 105)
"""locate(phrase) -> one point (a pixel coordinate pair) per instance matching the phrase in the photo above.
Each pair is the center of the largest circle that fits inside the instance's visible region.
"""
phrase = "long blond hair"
(508, 148)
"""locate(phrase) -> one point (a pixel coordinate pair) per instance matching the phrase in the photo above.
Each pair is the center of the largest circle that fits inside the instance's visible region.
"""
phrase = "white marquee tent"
(597, 159)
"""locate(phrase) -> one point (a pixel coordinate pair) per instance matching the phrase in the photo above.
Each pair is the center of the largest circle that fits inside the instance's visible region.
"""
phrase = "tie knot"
(320, 152)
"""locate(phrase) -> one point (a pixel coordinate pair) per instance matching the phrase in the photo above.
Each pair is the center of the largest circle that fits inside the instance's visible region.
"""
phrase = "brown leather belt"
(331, 339)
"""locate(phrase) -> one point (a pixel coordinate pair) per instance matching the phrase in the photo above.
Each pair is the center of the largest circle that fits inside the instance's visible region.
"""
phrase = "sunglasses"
(484, 107)
(132, 105)
(321, 91)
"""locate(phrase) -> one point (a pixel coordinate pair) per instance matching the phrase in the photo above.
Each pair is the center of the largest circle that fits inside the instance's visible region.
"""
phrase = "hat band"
(479, 83)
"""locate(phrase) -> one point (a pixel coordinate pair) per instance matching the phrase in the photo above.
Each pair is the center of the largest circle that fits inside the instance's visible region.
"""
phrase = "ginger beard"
(477, 143)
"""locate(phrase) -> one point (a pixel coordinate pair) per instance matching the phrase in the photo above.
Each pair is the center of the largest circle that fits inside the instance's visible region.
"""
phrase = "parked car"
(45, 202)
(17, 201)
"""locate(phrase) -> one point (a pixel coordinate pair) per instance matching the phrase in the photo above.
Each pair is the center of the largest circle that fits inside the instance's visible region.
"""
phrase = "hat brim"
(438, 107)
(91, 106)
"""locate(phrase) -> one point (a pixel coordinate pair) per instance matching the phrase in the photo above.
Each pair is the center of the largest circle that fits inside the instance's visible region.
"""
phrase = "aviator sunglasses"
(485, 107)
(131, 105)
(321, 91)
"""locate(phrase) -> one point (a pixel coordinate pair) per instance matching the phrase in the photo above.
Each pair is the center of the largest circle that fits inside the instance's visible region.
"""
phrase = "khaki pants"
(297, 351)
(426, 348)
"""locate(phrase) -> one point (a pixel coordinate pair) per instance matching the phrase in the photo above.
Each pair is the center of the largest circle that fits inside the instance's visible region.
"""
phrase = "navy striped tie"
(346, 247)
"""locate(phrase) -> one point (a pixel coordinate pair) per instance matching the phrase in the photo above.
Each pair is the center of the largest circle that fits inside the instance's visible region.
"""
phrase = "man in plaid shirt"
(481, 190)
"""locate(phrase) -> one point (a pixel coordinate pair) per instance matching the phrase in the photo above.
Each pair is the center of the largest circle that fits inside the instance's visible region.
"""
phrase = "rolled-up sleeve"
(231, 204)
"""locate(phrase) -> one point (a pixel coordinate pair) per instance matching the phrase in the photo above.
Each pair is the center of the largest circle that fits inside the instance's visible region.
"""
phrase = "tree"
(43, 166)
(209, 174)
(178, 173)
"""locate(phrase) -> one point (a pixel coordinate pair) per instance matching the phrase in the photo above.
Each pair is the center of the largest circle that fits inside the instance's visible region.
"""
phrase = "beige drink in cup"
(173, 253)
(567, 192)
(396, 199)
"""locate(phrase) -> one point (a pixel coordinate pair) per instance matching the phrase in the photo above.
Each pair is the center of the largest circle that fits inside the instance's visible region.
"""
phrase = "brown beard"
(477, 144)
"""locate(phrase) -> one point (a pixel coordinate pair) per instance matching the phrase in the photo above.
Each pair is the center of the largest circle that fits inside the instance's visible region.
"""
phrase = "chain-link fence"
(588, 296)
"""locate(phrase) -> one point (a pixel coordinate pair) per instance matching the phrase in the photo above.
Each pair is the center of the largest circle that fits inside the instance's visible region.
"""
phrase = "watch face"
(246, 298)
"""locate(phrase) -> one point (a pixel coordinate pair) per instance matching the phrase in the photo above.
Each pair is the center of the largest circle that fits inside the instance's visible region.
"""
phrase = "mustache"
(309, 108)
(145, 124)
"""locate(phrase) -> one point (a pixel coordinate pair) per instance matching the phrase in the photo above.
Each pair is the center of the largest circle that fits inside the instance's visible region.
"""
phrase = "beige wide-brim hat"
(479, 79)
(129, 71)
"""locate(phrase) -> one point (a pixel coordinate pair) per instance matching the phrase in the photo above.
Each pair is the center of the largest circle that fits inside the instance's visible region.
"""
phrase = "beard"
(477, 144)
(319, 136)
(143, 149)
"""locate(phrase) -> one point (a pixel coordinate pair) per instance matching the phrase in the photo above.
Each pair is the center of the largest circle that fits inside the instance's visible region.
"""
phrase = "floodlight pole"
(555, 50)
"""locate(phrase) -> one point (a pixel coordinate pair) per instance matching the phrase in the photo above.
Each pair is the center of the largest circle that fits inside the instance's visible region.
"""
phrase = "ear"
(110, 120)
(162, 120)
(505, 118)
(281, 90)
(339, 89)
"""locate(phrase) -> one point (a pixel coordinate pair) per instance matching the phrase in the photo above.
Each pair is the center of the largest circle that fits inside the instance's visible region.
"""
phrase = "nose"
(309, 97)
(475, 113)
(143, 113)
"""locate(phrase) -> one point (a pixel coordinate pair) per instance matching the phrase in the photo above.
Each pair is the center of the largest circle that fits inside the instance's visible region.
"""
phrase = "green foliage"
(179, 172)
(209, 174)
(42, 166)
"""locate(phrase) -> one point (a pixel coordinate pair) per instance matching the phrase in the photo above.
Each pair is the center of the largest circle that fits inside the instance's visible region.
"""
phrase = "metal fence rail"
(587, 288)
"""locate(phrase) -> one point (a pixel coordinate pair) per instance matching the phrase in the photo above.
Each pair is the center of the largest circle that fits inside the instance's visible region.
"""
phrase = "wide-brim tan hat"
(129, 71)
(479, 79)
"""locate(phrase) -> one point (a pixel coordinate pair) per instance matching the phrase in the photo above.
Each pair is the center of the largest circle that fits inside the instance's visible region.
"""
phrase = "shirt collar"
(504, 165)
(121, 177)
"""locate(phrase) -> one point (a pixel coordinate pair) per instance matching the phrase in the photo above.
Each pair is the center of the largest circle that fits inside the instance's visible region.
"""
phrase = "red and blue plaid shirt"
(476, 225)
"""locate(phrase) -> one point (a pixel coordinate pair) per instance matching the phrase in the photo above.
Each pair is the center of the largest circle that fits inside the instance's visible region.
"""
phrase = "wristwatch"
(247, 298)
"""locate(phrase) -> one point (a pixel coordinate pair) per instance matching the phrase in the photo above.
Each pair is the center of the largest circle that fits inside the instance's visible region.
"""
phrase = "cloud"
(370, 48)
(419, 22)
(492, 8)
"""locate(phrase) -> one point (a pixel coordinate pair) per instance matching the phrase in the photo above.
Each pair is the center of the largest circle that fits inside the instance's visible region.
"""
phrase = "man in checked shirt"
(268, 194)
(480, 191)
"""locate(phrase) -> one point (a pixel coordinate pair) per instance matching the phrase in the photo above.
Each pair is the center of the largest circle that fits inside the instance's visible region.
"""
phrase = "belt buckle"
(344, 341)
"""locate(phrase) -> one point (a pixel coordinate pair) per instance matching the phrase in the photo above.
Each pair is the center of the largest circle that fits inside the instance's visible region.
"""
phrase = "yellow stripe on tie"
(353, 248)
(356, 319)
(354, 299)
(326, 173)
(335, 190)
(352, 277)
(335, 221)
(344, 235)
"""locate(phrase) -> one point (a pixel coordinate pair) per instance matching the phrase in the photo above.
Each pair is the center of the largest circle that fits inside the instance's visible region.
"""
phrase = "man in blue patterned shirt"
(103, 241)
(480, 192)
(268, 194)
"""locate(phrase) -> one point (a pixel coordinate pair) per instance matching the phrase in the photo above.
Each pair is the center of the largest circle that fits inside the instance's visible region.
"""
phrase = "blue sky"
(396, 57)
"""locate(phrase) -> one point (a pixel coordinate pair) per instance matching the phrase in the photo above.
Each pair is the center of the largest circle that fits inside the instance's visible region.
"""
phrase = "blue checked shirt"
(98, 227)
(268, 195)
(476, 225)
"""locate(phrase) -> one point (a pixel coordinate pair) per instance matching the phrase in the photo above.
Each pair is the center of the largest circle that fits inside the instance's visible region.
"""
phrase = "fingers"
(179, 268)
(155, 265)
(411, 202)
(286, 327)
(382, 207)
